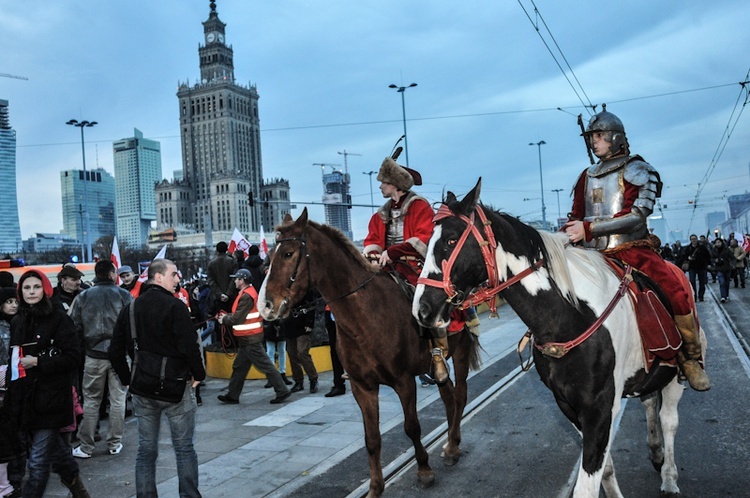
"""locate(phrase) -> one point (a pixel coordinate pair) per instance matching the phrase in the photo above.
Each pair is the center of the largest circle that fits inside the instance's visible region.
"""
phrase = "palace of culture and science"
(221, 154)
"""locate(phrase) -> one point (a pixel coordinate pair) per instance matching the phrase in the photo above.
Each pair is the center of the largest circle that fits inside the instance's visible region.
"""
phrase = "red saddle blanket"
(659, 335)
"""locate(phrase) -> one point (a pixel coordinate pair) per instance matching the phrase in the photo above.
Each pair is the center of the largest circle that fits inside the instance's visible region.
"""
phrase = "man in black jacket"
(697, 258)
(163, 326)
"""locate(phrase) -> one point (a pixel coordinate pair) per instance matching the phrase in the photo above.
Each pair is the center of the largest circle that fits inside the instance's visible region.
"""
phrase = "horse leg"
(670, 420)
(653, 426)
(609, 480)
(367, 399)
(454, 398)
(596, 430)
(406, 389)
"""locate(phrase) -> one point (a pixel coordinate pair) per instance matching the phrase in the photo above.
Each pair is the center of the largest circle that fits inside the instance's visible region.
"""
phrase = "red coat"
(417, 215)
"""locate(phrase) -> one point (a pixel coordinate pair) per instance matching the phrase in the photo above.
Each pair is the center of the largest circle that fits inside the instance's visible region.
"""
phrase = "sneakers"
(313, 386)
(116, 450)
(281, 397)
(226, 399)
(79, 453)
(426, 380)
(723, 300)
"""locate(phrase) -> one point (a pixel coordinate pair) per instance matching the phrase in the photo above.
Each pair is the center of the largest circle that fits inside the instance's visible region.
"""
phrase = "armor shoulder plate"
(641, 174)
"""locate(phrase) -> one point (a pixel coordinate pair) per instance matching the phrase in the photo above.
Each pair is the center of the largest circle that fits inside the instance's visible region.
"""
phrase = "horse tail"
(475, 359)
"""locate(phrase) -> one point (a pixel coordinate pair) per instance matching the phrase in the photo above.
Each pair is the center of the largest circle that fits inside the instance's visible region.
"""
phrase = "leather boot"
(76, 487)
(440, 367)
(690, 353)
(286, 381)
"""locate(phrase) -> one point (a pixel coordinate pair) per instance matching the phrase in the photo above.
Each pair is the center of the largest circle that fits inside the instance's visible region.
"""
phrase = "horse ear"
(450, 197)
(302, 220)
(288, 218)
(470, 201)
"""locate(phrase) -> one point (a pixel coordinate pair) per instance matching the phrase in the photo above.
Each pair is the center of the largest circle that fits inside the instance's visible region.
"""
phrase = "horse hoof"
(669, 494)
(450, 460)
(426, 478)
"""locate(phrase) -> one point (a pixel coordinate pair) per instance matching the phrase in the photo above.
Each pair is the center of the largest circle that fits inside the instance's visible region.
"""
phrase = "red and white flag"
(263, 244)
(115, 257)
(746, 243)
(238, 242)
(16, 369)
(160, 255)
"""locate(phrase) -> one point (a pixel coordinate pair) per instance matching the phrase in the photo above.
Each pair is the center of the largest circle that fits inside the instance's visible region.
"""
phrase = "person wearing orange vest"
(247, 327)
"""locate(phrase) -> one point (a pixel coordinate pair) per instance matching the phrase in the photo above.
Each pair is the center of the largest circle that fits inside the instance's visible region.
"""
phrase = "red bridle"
(487, 292)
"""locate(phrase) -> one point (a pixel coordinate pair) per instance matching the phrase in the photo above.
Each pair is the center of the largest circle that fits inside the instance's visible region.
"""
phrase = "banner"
(263, 244)
(160, 255)
(115, 257)
(238, 242)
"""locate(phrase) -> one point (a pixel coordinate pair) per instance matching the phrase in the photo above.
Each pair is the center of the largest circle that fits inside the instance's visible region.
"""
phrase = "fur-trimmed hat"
(399, 176)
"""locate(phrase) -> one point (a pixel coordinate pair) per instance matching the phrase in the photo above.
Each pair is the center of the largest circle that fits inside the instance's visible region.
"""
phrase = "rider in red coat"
(398, 235)
(611, 202)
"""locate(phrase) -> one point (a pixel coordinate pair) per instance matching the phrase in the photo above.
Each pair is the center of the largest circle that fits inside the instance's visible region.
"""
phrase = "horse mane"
(340, 240)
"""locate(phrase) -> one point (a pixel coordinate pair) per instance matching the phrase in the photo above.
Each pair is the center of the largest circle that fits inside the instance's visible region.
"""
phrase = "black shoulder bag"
(155, 376)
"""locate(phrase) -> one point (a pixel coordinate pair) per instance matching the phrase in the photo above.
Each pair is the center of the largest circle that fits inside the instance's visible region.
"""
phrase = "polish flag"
(238, 242)
(263, 244)
(160, 255)
(16, 369)
(115, 257)
(746, 243)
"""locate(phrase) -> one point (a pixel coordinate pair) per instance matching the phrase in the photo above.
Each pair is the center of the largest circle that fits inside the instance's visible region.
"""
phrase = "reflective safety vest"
(253, 322)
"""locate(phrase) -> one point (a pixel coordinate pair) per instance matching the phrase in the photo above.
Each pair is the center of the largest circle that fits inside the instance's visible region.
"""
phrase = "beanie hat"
(399, 176)
(7, 293)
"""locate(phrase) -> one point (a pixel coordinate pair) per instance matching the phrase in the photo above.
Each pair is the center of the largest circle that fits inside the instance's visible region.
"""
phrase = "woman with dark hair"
(45, 354)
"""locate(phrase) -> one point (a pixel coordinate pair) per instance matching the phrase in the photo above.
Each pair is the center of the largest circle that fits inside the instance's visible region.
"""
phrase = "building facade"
(220, 141)
(338, 201)
(137, 162)
(276, 202)
(101, 204)
(10, 228)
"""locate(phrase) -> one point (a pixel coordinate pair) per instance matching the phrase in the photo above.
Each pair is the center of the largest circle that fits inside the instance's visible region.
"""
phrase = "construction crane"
(346, 154)
(6, 75)
(323, 167)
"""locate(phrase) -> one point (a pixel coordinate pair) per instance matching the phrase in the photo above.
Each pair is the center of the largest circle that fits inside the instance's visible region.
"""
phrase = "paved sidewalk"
(258, 449)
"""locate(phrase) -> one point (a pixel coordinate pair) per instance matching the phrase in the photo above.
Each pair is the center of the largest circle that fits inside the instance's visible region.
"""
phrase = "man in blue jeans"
(163, 326)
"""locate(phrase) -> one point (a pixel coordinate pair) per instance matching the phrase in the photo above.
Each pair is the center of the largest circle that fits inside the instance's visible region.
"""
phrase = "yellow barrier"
(219, 364)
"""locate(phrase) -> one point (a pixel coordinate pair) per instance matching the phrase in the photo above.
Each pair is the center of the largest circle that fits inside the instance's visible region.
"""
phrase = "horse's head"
(288, 278)
(451, 249)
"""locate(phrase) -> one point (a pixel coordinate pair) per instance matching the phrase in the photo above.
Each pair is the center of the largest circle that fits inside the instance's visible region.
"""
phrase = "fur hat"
(401, 177)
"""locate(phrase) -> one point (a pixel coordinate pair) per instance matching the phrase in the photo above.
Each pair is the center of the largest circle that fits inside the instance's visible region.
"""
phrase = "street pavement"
(257, 449)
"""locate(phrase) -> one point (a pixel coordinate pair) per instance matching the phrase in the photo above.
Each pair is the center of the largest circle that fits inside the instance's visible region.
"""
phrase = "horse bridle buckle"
(556, 351)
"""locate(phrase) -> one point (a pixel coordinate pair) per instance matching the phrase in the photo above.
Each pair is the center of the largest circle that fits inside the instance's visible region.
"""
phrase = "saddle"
(659, 335)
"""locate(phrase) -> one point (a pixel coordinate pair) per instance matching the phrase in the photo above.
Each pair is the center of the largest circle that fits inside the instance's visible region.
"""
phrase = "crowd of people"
(724, 259)
(67, 358)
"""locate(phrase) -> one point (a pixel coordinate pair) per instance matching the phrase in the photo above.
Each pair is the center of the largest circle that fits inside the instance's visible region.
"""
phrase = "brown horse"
(378, 339)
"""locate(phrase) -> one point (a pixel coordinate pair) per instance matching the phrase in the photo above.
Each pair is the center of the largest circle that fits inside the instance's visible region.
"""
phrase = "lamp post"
(87, 235)
(557, 191)
(402, 90)
(541, 181)
(372, 201)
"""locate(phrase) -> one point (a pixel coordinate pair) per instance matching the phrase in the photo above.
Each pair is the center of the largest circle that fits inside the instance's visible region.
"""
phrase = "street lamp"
(541, 181)
(87, 235)
(372, 201)
(402, 90)
(557, 191)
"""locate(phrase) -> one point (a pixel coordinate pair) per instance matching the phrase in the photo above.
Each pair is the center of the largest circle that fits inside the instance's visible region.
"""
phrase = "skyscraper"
(10, 228)
(220, 133)
(336, 190)
(101, 203)
(137, 162)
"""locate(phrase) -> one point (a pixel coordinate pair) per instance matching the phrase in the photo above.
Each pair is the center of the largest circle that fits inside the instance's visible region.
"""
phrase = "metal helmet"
(606, 121)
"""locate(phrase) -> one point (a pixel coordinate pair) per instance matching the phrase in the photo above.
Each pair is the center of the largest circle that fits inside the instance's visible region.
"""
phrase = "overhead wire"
(726, 135)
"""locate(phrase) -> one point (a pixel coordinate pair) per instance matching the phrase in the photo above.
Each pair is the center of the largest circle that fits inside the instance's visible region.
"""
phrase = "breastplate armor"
(605, 197)
(395, 234)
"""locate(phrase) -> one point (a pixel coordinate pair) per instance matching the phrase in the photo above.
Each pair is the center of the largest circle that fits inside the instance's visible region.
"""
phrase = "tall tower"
(101, 203)
(10, 228)
(336, 189)
(220, 133)
(137, 162)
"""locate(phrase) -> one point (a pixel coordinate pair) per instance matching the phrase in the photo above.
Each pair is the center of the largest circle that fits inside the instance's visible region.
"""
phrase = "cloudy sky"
(487, 87)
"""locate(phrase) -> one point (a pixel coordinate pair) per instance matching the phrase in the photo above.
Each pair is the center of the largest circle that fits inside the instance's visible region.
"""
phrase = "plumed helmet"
(608, 122)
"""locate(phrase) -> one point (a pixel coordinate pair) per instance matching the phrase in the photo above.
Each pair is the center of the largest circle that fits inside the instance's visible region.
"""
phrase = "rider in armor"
(398, 234)
(611, 201)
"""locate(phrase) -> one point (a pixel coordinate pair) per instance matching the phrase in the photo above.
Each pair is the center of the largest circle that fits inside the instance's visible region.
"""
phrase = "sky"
(487, 87)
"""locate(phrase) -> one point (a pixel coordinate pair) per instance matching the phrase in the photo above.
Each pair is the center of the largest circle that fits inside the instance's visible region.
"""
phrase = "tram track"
(403, 464)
